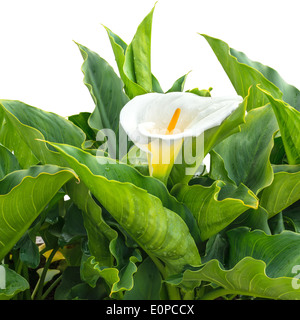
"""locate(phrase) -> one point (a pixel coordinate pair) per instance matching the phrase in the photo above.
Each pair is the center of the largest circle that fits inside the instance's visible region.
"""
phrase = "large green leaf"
(242, 76)
(280, 252)
(134, 60)
(99, 233)
(217, 168)
(118, 277)
(288, 119)
(215, 207)
(178, 85)
(284, 191)
(246, 154)
(24, 126)
(291, 216)
(119, 47)
(147, 283)
(23, 195)
(158, 230)
(291, 95)
(248, 277)
(137, 64)
(112, 170)
(259, 265)
(8, 162)
(14, 283)
(81, 120)
(106, 89)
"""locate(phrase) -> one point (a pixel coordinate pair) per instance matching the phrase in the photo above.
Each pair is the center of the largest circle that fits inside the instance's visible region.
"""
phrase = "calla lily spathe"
(146, 118)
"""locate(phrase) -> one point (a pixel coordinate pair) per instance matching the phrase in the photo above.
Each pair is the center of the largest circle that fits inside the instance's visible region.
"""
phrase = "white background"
(41, 65)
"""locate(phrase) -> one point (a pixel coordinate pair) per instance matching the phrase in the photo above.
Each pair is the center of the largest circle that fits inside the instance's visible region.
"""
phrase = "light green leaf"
(113, 170)
(81, 121)
(119, 47)
(134, 60)
(201, 93)
(288, 119)
(253, 219)
(137, 63)
(217, 168)
(178, 85)
(215, 207)
(279, 252)
(51, 273)
(106, 89)
(24, 126)
(99, 233)
(158, 230)
(147, 283)
(8, 162)
(14, 283)
(291, 95)
(246, 154)
(242, 76)
(248, 277)
(118, 277)
(23, 195)
(283, 192)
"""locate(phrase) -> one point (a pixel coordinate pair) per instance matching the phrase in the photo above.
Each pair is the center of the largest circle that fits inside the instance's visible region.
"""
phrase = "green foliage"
(111, 231)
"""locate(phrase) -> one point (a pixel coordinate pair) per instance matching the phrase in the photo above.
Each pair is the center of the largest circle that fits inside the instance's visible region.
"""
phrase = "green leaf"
(253, 219)
(137, 63)
(81, 121)
(215, 207)
(288, 119)
(248, 277)
(73, 229)
(154, 227)
(201, 93)
(279, 252)
(14, 283)
(113, 170)
(147, 283)
(119, 48)
(242, 76)
(278, 155)
(8, 162)
(73, 288)
(217, 168)
(284, 191)
(23, 195)
(134, 61)
(29, 251)
(106, 89)
(25, 126)
(118, 277)
(99, 233)
(178, 85)
(291, 95)
(246, 154)
(291, 216)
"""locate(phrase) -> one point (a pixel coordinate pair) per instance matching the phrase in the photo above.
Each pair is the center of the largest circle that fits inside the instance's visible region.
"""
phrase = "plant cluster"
(110, 230)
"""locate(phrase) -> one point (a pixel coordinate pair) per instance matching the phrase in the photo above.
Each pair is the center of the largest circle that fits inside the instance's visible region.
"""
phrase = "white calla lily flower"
(158, 123)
